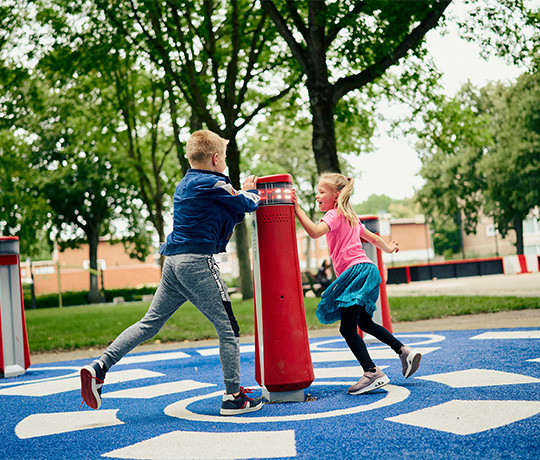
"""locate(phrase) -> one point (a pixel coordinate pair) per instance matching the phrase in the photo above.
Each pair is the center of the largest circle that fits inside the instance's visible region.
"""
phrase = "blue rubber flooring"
(476, 395)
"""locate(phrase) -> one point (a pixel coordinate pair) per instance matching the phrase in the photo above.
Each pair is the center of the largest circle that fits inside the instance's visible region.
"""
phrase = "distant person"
(206, 209)
(351, 297)
(324, 275)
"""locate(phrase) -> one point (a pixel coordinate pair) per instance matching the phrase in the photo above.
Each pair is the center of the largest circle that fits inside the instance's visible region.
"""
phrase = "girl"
(352, 296)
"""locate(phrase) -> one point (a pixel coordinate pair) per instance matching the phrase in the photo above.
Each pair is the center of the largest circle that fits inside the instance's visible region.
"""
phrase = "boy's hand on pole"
(250, 183)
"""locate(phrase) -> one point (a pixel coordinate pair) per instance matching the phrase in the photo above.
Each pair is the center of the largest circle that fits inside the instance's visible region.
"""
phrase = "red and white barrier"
(14, 351)
(520, 264)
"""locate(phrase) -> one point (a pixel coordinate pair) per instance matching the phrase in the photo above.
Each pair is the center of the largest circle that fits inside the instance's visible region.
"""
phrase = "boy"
(206, 209)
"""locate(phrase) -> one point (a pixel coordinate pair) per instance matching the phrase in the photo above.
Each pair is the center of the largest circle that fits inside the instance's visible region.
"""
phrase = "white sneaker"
(370, 381)
(410, 361)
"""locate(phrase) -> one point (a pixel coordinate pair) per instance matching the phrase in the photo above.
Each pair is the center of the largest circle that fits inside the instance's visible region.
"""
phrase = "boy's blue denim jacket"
(206, 209)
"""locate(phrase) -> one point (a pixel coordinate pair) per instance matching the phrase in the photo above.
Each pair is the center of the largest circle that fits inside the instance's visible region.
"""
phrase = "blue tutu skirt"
(358, 285)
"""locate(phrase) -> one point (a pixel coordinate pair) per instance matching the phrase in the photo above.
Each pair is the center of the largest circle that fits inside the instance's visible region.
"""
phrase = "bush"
(71, 298)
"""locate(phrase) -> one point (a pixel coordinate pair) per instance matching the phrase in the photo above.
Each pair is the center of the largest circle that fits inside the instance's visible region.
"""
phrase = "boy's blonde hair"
(202, 144)
(344, 186)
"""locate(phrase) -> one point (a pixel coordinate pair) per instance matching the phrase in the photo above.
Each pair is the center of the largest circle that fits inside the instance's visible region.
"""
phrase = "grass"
(70, 328)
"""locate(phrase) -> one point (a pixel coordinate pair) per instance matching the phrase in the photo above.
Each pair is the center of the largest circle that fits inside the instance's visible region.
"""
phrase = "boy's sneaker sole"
(379, 383)
(89, 390)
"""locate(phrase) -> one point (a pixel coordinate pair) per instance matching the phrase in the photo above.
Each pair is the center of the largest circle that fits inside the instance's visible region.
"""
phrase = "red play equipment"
(283, 364)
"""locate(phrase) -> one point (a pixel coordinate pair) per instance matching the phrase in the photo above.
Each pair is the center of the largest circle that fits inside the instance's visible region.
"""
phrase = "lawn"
(70, 328)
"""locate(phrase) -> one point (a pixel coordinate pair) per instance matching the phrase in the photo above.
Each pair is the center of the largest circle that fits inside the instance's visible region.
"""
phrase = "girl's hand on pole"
(313, 230)
(394, 246)
(295, 201)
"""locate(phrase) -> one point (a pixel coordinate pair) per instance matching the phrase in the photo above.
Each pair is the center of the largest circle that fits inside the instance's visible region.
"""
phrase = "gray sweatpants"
(196, 278)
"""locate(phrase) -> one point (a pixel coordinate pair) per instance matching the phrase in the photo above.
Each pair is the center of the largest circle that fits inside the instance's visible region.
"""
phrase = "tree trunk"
(182, 160)
(241, 233)
(161, 234)
(324, 134)
(460, 226)
(244, 260)
(518, 227)
(93, 242)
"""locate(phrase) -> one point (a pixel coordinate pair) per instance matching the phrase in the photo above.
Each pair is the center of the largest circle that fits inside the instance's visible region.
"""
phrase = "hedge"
(71, 298)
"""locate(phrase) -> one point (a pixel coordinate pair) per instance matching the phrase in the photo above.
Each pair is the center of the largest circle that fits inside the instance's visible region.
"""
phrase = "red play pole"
(283, 364)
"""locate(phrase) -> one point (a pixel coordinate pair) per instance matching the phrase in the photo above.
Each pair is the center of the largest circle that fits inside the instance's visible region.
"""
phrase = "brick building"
(119, 270)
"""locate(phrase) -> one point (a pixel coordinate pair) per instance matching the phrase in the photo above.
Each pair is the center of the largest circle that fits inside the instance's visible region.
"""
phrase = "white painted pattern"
(507, 335)
(323, 346)
(63, 422)
(461, 417)
(479, 378)
(155, 391)
(333, 372)
(74, 383)
(151, 358)
(394, 395)
(469, 417)
(376, 354)
(215, 351)
(419, 339)
(195, 445)
(31, 371)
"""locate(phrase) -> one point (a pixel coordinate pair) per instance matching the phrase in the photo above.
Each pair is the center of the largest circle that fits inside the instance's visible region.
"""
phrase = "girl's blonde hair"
(344, 186)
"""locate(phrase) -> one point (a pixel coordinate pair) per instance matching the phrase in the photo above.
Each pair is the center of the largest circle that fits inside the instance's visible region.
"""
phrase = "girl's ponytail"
(344, 185)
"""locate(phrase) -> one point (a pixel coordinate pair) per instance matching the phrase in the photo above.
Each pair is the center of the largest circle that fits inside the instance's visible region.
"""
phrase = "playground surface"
(476, 395)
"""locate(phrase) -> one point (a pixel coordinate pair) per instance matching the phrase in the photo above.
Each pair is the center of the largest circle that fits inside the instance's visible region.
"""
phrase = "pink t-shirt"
(344, 242)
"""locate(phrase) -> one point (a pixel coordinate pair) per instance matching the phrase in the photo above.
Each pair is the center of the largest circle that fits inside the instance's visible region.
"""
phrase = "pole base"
(283, 396)
(13, 370)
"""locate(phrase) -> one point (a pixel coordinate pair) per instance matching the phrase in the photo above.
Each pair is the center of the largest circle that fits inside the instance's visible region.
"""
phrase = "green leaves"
(481, 154)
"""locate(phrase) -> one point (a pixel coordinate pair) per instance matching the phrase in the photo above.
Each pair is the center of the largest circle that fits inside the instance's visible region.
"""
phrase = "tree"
(22, 213)
(507, 28)
(452, 142)
(148, 130)
(219, 56)
(70, 150)
(481, 154)
(446, 238)
(281, 147)
(512, 167)
(66, 152)
(345, 46)
(374, 205)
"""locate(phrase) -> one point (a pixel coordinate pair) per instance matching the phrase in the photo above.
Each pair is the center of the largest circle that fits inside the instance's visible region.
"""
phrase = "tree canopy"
(349, 45)
(481, 154)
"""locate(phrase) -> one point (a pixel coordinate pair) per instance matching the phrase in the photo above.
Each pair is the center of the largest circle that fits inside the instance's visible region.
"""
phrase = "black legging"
(354, 316)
